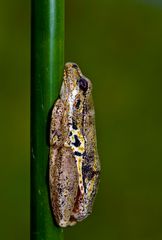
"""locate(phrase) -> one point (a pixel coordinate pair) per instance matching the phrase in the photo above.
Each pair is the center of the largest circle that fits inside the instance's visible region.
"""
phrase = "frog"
(74, 166)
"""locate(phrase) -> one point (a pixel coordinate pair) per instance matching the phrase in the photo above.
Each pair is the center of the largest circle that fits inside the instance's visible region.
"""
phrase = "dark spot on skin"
(90, 157)
(77, 143)
(77, 153)
(89, 172)
(78, 104)
(91, 175)
(75, 66)
(74, 125)
(84, 154)
(86, 168)
(83, 84)
(84, 183)
(54, 132)
(59, 190)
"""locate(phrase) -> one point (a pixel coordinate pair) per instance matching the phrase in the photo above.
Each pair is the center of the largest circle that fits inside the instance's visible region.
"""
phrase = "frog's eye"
(83, 84)
(75, 66)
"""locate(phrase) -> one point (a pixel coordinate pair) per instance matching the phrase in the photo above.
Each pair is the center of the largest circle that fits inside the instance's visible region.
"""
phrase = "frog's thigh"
(56, 122)
(65, 186)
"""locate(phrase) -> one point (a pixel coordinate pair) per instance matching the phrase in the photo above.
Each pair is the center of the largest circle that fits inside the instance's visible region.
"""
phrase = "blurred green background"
(118, 46)
(14, 119)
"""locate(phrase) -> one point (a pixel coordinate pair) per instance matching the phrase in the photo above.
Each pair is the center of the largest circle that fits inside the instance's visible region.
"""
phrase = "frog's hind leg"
(63, 177)
(65, 186)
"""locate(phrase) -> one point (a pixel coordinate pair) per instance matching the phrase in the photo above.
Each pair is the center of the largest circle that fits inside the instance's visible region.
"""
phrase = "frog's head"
(75, 81)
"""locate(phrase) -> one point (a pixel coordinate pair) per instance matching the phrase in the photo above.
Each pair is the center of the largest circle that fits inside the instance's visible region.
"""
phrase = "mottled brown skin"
(74, 163)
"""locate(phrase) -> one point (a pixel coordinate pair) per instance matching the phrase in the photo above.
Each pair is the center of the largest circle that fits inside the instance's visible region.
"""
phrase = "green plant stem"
(47, 62)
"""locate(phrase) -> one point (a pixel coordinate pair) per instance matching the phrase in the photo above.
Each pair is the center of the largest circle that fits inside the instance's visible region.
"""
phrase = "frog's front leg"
(56, 123)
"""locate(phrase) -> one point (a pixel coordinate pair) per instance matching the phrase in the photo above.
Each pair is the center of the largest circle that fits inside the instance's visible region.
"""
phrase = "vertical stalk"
(47, 62)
